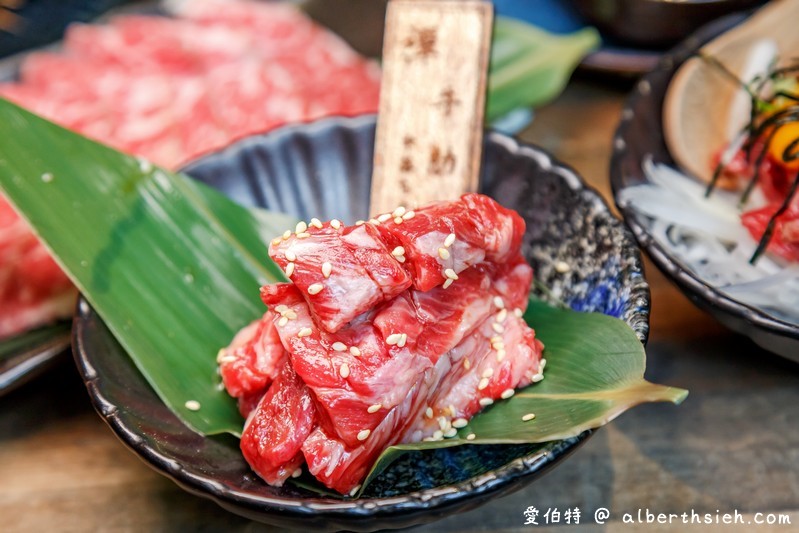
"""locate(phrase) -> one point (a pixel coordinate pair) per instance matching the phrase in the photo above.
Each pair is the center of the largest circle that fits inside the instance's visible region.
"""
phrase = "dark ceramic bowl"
(654, 23)
(323, 169)
(640, 135)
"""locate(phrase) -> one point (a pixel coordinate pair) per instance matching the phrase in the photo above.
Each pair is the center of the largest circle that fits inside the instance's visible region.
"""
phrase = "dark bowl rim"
(496, 482)
(645, 88)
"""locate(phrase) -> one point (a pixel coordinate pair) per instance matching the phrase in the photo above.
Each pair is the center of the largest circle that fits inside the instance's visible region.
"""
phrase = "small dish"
(323, 169)
(640, 137)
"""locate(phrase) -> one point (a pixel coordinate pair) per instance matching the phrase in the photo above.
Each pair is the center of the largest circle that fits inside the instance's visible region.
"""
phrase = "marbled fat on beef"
(389, 339)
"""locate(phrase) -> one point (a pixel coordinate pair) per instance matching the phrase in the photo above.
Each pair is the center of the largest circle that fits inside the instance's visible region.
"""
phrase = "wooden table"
(732, 446)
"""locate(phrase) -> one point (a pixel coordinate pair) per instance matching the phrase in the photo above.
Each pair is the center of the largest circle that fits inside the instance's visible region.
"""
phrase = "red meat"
(172, 88)
(252, 361)
(33, 289)
(400, 364)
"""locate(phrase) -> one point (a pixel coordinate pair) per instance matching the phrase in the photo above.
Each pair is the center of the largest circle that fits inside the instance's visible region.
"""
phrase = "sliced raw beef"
(252, 361)
(342, 272)
(172, 88)
(33, 289)
(383, 361)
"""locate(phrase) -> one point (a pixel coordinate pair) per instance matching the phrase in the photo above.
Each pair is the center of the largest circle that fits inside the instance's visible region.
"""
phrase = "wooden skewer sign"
(429, 132)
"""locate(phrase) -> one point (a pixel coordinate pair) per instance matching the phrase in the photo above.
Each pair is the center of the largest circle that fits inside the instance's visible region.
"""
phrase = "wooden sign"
(430, 128)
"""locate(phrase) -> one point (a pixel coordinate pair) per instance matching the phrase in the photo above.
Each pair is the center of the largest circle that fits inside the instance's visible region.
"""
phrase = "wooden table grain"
(732, 446)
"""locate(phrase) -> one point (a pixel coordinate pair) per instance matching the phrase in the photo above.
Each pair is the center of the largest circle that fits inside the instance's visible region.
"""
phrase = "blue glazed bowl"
(324, 169)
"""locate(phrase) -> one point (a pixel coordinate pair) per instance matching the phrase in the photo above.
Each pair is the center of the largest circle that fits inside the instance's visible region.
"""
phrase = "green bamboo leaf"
(170, 265)
(529, 66)
(594, 372)
(174, 268)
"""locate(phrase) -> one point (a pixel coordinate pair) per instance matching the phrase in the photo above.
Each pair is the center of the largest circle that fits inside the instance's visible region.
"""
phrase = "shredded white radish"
(705, 236)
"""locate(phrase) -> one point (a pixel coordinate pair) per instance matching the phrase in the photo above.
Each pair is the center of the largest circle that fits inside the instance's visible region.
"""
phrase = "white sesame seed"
(339, 347)
(488, 372)
(495, 339)
(528, 417)
(276, 241)
(289, 270)
(541, 365)
(500, 355)
(290, 314)
(192, 405)
(344, 370)
(398, 220)
(507, 393)
(561, 267)
(451, 432)
(399, 211)
(498, 328)
(538, 377)
(355, 490)
(355, 351)
(282, 308)
(286, 234)
(471, 436)
(399, 250)
(438, 434)
(403, 340)
(303, 235)
(374, 408)
(502, 315)
(226, 359)
(384, 217)
(428, 412)
(327, 268)
(499, 302)
(483, 384)
(290, 255)
(518, 312)
(300, 227)
(498, 346)
(401, 258)
(335, 224)
(360, 223)
(459, 423)
(47, 177)
(443, 423)
(448, 283)
(443, 253)
(304, 332)
(450, 274)
(485, 402)
(467, 364)
(450, 240)
(316, 288)
(315, 222)
(283, 321)
(393, 339)
(364, 434)
(374, 221)
(408, 215)
(297, 473)
(451, 410)
(428, 439)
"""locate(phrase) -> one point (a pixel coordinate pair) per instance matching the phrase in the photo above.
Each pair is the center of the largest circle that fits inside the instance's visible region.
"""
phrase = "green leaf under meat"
(594, 372)
(171, 266)
(174, 268)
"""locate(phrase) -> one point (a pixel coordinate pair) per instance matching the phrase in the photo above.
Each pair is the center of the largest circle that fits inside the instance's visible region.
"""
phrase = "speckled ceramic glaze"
(323, 169)
(640, 136)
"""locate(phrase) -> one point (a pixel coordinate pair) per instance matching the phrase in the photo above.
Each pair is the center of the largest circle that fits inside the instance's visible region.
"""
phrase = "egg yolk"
(785, 135)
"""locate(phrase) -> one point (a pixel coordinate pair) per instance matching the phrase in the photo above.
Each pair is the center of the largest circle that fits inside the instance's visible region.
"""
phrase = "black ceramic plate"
(640, 136)
(323, 169)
